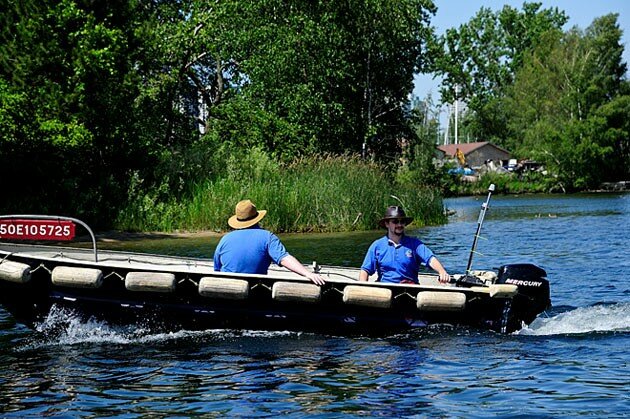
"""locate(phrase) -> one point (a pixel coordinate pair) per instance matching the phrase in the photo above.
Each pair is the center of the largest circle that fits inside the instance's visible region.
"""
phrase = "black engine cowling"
(533, 289)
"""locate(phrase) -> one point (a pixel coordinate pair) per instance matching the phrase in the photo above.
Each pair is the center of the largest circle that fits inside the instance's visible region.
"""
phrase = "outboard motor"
(533, 289)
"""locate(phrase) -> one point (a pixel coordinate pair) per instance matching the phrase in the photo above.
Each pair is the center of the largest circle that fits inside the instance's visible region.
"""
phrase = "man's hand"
(316, 278)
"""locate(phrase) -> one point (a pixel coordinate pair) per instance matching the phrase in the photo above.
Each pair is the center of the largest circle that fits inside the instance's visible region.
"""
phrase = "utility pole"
(448, 125)
(456, 110)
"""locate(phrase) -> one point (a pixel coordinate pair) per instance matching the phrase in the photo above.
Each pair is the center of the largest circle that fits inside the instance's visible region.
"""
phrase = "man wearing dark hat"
(251, 249)
(397, 257)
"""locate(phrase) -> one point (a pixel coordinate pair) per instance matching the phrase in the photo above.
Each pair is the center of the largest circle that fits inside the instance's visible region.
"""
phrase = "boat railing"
(56, 218)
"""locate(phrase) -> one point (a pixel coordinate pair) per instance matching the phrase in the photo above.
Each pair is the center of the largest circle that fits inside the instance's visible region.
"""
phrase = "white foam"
(599, 318)
(63, 327)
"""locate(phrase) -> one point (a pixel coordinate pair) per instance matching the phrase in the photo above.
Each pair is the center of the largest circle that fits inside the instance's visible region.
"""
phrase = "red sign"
(37, 229)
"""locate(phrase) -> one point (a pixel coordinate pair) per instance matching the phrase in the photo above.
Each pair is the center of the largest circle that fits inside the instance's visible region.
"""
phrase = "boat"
(179, 292)
(175, 293)
(168, 292)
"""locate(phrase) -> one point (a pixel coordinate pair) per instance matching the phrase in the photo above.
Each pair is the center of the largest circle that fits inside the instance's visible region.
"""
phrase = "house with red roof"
(476, 154)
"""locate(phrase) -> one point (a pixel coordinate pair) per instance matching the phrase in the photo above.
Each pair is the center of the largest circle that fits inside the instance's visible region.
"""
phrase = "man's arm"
(292, 264)
(435, 264)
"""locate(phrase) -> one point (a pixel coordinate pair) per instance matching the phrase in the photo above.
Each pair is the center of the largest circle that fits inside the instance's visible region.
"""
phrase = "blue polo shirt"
(250, 250)
(397, 262)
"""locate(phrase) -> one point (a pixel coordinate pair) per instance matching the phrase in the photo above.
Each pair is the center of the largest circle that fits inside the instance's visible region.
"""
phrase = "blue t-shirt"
(397, 263)
(249, 250)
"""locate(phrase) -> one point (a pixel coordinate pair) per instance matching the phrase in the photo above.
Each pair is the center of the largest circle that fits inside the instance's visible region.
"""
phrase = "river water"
(572, 361)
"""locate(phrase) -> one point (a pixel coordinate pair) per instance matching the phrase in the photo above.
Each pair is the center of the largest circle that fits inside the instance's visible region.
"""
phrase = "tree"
(613, 128)
(67, 87)
(292, 78)
(565, 104)
(608, 70)
(418, 166)
(481, 57)
(99, 93)
(334, 73)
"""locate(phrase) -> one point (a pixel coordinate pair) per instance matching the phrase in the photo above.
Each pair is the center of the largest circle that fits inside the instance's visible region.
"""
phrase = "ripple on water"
(574, 362)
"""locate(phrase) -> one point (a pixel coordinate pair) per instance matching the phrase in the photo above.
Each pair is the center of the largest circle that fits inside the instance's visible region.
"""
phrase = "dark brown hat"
(394, 212)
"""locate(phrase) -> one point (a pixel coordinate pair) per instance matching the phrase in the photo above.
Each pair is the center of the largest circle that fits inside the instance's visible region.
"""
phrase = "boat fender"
(441, 301)
(503, 290)
(296, 292)
(150, 281)
(66, 276)
(15, 271)
(223, 288)
(367, 296)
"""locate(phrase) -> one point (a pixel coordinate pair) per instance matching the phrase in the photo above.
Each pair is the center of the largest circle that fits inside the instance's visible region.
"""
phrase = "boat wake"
(599, 318)
(63, 327)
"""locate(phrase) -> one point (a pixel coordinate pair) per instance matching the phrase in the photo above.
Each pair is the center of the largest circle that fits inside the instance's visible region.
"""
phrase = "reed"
(316, 194)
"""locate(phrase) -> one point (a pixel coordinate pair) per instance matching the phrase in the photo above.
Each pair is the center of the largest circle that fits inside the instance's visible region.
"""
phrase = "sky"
(452, 13)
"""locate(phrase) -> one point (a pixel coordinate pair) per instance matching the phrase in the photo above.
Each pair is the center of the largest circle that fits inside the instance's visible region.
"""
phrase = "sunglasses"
(397, 221)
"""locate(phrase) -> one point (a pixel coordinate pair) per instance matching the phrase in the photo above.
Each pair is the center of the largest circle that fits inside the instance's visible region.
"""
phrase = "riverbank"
(113, 236)
(621, 186)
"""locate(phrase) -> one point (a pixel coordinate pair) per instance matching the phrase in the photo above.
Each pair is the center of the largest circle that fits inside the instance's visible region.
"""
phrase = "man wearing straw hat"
(251, 249)
(397, 257)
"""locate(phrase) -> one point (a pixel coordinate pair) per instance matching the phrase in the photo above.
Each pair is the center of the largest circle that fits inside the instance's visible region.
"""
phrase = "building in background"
(475, 154)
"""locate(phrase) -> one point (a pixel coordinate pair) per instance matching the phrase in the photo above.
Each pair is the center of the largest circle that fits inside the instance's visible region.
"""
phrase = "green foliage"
(15, 115)
(66, 113)
(244, 125)
(334, 73)
(311, 194)
(166, 113)
(543, 94)
(505, 183)
(481, 57)
(559, 107)
(65, 135)
(612, 128)
(126, 95)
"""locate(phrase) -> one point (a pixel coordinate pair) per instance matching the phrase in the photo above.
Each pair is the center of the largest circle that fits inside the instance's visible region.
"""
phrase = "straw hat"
(246, 215)
(394, 212)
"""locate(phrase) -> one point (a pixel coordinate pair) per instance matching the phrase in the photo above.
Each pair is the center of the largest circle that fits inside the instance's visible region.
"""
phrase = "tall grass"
(319, 194)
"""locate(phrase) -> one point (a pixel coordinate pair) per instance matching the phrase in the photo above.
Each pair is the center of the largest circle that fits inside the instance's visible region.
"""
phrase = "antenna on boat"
(482, 214)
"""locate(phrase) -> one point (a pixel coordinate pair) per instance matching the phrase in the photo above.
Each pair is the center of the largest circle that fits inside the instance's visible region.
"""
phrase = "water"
(572, 362)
